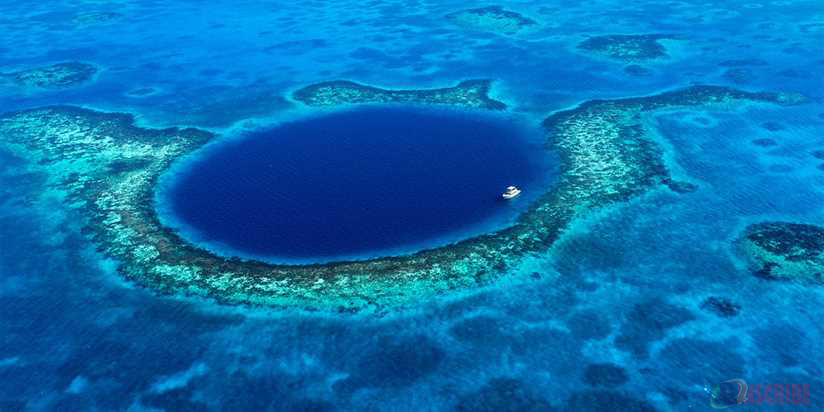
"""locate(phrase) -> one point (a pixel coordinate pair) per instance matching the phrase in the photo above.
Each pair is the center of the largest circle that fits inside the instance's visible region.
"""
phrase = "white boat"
(511, 191)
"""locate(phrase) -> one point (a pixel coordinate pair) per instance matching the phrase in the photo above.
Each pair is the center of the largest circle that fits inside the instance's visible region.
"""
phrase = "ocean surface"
(612, 318)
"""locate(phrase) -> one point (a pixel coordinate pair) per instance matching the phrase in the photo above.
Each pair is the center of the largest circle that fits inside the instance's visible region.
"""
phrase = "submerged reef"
(773, 126)
(223, 105)
(739, 75)
(637, 70)
(781, 250)
(491, 18)
(96, 17)
(470, 93)
(58, 75)
(105, 168)
(141, 92)
(679, 186)
(764, 142)
(627, 47)
(605, 374)
(721, 306)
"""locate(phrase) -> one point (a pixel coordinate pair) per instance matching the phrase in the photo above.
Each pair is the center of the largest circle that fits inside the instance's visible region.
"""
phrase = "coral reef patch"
(470, 93)
(764, 142)
(491, 18)
(141, 92)
(96, 17)
(720, 306)
(105, 168)
(627, 47)
(637, 70)
(678, 186)
(773, 126)
(782, 250)
(739, 75)
(60, 75)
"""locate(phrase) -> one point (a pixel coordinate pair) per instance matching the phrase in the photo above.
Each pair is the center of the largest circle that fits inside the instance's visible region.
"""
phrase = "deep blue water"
(611, 319)
(360, 183)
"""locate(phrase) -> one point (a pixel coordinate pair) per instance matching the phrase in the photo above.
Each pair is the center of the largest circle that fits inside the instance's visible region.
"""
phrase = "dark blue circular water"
(359, 183)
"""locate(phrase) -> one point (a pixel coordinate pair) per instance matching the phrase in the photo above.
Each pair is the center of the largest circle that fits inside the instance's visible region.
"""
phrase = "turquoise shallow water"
(612, 318)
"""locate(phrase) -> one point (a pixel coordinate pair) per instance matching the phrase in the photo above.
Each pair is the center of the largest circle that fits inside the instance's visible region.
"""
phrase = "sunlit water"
(611, 319)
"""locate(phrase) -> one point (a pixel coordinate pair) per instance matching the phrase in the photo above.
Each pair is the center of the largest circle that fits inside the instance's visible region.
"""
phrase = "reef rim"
(107, 169)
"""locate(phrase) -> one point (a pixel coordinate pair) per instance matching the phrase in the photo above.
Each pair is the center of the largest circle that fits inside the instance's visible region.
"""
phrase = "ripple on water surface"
(357, 184)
